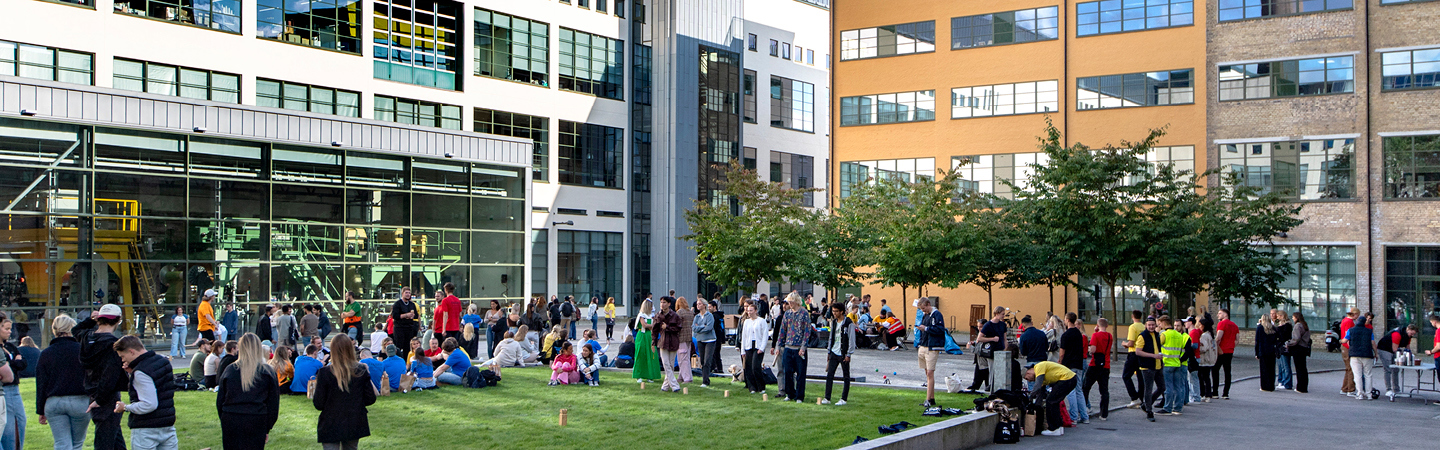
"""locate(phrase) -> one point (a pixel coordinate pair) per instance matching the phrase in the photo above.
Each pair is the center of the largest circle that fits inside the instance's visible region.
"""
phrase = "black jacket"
(104, 375)
(934, 334)
(58, 373)
(1265, 343)
(17, 364)
(158, 368)
(343, 416)
(263, 398)
(262, 328)
(226, 361)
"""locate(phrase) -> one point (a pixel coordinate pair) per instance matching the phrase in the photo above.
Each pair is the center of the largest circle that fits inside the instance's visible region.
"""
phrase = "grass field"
(522, 412)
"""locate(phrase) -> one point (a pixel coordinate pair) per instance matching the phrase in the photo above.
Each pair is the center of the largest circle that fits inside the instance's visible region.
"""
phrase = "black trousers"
(982, 376)
(1132, 369)
(830, 365)
(754, 376)
(707, 354)
(609, 329)
(1223, 363)
(1302, 373)
(107, 428)
(792, 373)
(1148, 378)
(1058, 391)
(1159, 386)
(1267, 373)
(1097, 375)
(715, 365)
(245, 431)
(402, 340)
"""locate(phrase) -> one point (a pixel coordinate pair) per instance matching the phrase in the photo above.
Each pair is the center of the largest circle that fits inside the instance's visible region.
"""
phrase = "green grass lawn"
(522, 412)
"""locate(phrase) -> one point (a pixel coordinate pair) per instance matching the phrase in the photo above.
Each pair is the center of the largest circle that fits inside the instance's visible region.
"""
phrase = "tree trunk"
(1052, 297)
(989, 299)
(1114, 323)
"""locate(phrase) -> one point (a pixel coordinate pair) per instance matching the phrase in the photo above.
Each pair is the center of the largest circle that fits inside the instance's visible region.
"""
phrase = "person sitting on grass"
(305, 368)
(394, 366)
(212, 364)
(197, 362)
(423, 371)
(563, 369)
(324, 355)
(589, 365)
(551, 344)
(375, 367)
(232, 350)
(283, 368)
(433, 351)
(452, 372)
(626, 359)
(507, 354)
(378, 337)
(528, 352)
(595, 347)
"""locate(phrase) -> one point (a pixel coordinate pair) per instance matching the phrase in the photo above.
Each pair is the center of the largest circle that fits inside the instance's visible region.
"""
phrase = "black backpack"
(183, 382)
(567, 310)
(1007, 432)
(473, 378)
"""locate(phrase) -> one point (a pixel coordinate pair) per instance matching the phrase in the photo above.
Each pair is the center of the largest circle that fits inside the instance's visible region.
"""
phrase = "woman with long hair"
(342, 391)
(1299, 345)
(470, 340)
(528, 352)
(1053, 328)
(495, 327)
(609, 319)
(179, 327)
(283, 367)
(1205, 357)
(647, 364)
(667, 342)
(534, 321)
(551, 346)
(1265, 340)
(248, 401)
(687, 345)
(594, 310)
(753, 335)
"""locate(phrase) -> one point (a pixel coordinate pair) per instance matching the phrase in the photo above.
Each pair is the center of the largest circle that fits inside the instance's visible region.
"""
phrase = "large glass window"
(417, 112)
(899, 107)
(592, 64)
(856, 173)
(418, 43)
(511, 48)
(1010, 27)
(792, 104)
(221, 15)
(1412, 167)
(329, 24)
(591, 155)
(535, 128)
(1323, 285)
(540, 263)
(1171, 87)
(987, 174)
(46, 63)
(1004, 99)
(1116, 16)
(1252, 9)
(588, 264)
(750, 100)
(1408, 69)
(889, 40)
(164, 79)
(304, 97)
(1412, 289)
(1299, 77)
(1321, 169)
(795, 172)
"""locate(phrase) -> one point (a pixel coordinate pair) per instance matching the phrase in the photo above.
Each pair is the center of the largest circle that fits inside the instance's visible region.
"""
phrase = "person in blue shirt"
(596, 348)
(394, 366)
(424, 372)
(230, 320)
(1033, 344)
(472, 317)
(305, 368)
(377, 369)
(453, 371)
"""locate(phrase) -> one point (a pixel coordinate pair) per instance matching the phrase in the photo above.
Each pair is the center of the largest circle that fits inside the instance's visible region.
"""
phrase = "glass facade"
(535, 128)
(719, 122)
(153, 219)
(511, 48)
(1412, 167)
(1323, 285)
(540, 263)
(46, 63)
(889, 40)
(1409, 69)
(587, 264)
(417, 112)
(1300, 77)
(220, 15)
(751, 108)
(1117, 16)
(918, 106)
(330, 24)
(1005, 99)
(591, 155)
(1303, 170)
(1010, 27)
(641, 198)
(418, 42)
(1412, 289)
(792, 171)
(592, 64)
(164, 79)
(1171, 87)
(304, 97)
(792, 104)
(1253, 9)
(907, 170)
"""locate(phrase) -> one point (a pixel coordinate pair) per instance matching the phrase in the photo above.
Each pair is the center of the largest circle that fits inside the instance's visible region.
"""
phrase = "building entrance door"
(1427, 303)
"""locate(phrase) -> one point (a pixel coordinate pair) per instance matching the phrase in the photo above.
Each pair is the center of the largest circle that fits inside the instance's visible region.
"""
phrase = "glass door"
(1427, 302)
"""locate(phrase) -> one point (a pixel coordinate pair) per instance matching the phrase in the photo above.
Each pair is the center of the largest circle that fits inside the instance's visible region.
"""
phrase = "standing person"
(1060, 381)
(703, 328)
(205, 315)
(352, 316)
(248, 401)
(403, 313)
(992, 335)
(496, 326)
(1226, 333)
(1177, 383)
(263, 329)
(667, 333)
(1205, 356)
(1053, 328)
(1130, 373)
(1282, 358)
(553, 309)
(472, 316)
(687, 319)
(1347, 385)
(285, 326)
(1435, 351)
(152, 397)
(931, 342)
(1148, 363)
(567, 315)
(1099, 371)
(230, 321)
(1266, 336)
(309, 324)
(839, 350)
(1072, 356)
(1033, 343)
(448, 313)
(342, 391)
(179, 328)
(720, 337)
(647, 364)
(610, 319)
(1299, 345)
(104, 374)
(793, 334)
(1385, 351)
(753, 335)
(14, 434)
(60, 397)
(595, 313)
(1362, 356)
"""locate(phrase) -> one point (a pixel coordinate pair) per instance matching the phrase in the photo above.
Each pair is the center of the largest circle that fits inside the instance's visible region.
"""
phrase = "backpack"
(491, 378)
(567, 310)
(1007, 432)
(183, 382)
(473, 379)
(625, 362)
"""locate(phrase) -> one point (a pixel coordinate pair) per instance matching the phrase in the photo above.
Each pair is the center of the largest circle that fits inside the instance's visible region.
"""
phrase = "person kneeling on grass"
(563, 369)
(1060, 380)
(589, 365)
(452, 372)
(152, 396)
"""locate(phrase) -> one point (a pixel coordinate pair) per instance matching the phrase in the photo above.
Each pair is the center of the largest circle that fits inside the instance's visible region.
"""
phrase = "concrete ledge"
(961, 433)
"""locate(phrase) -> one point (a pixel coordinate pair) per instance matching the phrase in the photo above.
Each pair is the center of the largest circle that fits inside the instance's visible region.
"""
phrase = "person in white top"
(595, 314)
(753, 336)
(377, 339)
(179, 327)
(508, 353)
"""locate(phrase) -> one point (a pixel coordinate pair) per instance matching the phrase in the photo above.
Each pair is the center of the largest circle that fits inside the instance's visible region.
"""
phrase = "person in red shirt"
(1099, 370)
(1435, 351)
(1347, 386)
(1225, 332)
(447, 314)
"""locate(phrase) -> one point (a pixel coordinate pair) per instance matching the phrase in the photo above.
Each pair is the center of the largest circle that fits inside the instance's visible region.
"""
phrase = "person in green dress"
(647, 363)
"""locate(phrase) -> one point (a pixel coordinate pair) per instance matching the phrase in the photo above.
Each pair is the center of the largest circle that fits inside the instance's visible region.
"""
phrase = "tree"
(839, 246)
(1245, 265)
(753, 231)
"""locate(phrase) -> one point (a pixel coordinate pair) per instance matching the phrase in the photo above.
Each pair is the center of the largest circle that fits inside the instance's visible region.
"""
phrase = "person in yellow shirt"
(1055, 381)
(1131, 372)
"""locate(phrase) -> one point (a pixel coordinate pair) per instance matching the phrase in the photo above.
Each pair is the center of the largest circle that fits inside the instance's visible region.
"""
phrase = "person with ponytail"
(248, 401)
(342, 391)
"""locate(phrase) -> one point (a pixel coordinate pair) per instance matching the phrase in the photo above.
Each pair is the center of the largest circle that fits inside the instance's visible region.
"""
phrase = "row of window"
(46, 63)
(601, 6)
(781, 50)
(989, 174)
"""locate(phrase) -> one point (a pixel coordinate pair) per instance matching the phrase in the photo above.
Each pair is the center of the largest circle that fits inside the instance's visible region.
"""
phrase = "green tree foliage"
(913, 230)
(755, 230)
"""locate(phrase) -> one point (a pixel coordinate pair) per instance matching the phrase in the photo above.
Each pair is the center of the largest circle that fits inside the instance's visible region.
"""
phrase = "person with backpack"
(248, 402)
(104, 374)
(60, 399)
(342, 393)
(567, 316)
(152, 397)
(1362, 356)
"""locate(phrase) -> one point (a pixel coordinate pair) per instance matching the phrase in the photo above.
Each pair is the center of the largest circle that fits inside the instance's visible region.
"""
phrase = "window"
(856, 173)
(591, 155)
(750, 41)
(1323, 286)
(620, 8)
(1410, 69)
(1011, 27)
(899, 107)
(601, 6)
(794, 172)
(1315, 76)
(1181, 158)
(799, 54)
(810, 57)
(1412, 167)
(511, 48)
(535, 128)
(162, 79)
(304, 97)
(819, 3)
(891, 40)
(222, 15)
(774, 47)
(1412, 289)
(46, 63)
(640, 11)
(592, 64)
(583, 3)
(747, 158)
(417, 112)
(1252, 9)
(1116, 16)
(785, 50)
(987, 174)
(331, 25)
(418, 44)
(588, 264)
(1004, 99)
(1173, 87)
(792, 104)
(750, 107)
(539, 263)
(1322, 169)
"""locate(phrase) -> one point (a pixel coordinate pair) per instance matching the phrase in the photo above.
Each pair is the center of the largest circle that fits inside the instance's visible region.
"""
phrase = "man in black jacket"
(152, 397)
(104, 375)
(262, 325)
(930, 344)
(403, 314)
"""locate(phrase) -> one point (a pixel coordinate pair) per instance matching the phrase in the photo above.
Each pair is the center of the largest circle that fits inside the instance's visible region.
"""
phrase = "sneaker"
(799, 401)
(1224, 397)
(1163, 413)
(784, 399)
(762, 391)
(824, 401)
(1175, 413)
(1206, 399)
(1150, 417)
(840, 403)
(1084, 421)
(1390, 393)
(1055, 432)
(704, 385)
(1134, 404)
(752, 392)
(1105, 418)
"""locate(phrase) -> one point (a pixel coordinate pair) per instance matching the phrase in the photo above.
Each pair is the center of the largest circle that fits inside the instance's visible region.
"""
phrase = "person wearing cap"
(1148, 363)
(1053, 382)
(104, 374)
(205, 315)
(394, 366)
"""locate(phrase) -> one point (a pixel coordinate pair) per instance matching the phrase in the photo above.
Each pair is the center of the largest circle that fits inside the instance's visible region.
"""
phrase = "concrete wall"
(961, 433)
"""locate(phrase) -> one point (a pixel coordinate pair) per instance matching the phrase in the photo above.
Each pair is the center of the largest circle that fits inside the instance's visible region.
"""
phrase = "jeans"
(568, 324)
(831, 363)
(14, 436)
(177, 341)
(491, 340)
(792, 373)
(449, 378)
(1075, 400)
(1223, 363)
(68, 420)
(594, 376)
(1099, 376)
(1363, 382)
(1392, 375)
(1194, 387)
(1177, 388)
(595, 325)
(163, 438)
(353, 331)
(1282, 369)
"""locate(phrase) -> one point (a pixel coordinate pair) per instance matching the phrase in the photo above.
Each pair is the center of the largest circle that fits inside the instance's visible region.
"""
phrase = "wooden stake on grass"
(564, 415)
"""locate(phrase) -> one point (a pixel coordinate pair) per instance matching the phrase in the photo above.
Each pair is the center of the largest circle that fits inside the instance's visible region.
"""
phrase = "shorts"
(209, 335)
(928, 358)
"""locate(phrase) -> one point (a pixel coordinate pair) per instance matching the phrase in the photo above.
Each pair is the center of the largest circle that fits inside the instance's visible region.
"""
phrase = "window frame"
(1013, 94)
(1270, 74)
(1385, 80)
(1221, 9)
(55, 67)
(179, 7)
(749, 84)
(1100, 15)
(282, 99)
(1146, 75)
(571, 59)
(1036, 17)
(440, 59)
(858, 38)
(356, 27)
(792, 97)
(875, 98)
(540, 154)
(178, 82)
(610, 162)
(1411, 170)
(751, 41)
(1267, 161)
(438, 119)
(533, 44)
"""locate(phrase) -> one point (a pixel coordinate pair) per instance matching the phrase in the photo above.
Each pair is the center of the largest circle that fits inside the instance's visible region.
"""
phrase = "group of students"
(1361, 349)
